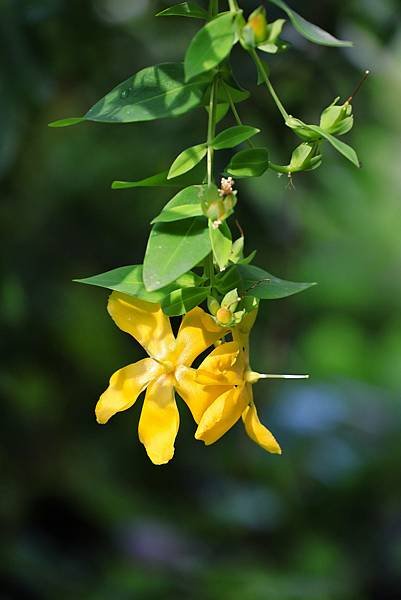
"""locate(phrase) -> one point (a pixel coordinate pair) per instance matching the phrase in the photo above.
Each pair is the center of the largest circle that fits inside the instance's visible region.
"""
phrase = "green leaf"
(210, 46)
(254, 281)
(185, 204)
(220, 239)
(153, 93)
(128, 280)
(173, 249)
(160, 180)
(340, 146)
(233, 136)
(67, 122)
(235, 93)
(308, 30)
(187, 160)
(181, 301)
(249, 163)
(185, 9)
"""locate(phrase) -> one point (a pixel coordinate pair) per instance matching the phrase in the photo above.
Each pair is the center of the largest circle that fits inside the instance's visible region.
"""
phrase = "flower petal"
(159, 420)
(223, 366)
(145, 321)
(222, 414)
(258, 432)
(197, 397)
(197, 332)
(125, 386)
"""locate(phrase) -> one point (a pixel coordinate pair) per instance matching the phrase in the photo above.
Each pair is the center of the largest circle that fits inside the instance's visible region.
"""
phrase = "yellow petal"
(198, 331)
(223, 366)
(125, 386)
(258, 432)
(145, 321)
(197, 397)
(159, 420)
(222, 414)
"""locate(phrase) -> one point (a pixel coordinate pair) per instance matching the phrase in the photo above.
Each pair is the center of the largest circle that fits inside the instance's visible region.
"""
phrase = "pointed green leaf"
(182, 301)
(220, 239)
(185, 9)
(173, 249)
(128, 280)
(233, 136)
(185, 204)
(254, 281)
(153, 93)
(160, 180)
(249, 163)
(187, 160)
(67, 122)
(340, 146)
(308, 30)
(210, 46)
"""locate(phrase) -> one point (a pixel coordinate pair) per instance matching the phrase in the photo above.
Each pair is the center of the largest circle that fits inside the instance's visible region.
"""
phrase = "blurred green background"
(84, 513)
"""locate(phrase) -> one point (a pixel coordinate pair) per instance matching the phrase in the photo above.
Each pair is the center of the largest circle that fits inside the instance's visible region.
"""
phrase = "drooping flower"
(169, 359)
(224, 381)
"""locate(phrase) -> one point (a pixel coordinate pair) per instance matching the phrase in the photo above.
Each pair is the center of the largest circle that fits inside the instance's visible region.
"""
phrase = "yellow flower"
(224, 381)
(170, 359)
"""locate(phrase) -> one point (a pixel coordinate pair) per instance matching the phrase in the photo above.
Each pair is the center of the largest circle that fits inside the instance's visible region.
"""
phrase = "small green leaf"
(340, 146)
(154, 93)
(187, 160)
(233, 136)
(173, 249)
(185, 204)
(249, 163)
(185, 9)
(210, 46)
(254, 281)
(221, 111)
(128, 280)
(67, 122)
(233, 93)
(220, 239)
(160, 180)
(181, 301)
(308, 30)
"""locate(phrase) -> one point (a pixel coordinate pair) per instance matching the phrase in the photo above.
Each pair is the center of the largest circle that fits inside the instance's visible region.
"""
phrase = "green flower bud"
(305, 157)
(337, 119)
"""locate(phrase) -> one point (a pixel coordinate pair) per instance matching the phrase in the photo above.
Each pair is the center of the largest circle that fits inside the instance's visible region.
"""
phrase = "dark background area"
(84, 513)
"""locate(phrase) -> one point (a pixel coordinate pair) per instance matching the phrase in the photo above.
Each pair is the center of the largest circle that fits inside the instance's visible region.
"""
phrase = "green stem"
(269, 86)
(234, 111)
(211, 129)
(213, 8)
(233, 5)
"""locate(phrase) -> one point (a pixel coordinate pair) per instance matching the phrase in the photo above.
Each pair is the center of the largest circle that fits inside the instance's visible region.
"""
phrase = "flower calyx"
(225, 313)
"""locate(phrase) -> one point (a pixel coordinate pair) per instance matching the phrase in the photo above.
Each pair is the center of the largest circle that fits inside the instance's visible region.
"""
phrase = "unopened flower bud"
(337, 119)
(224, 316)
(258, 24)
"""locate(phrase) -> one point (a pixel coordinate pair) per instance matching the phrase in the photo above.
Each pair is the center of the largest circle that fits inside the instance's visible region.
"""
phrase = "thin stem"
(211, 129)
(269, 86)
(213, 8)
(233, 5)
(234, 110)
